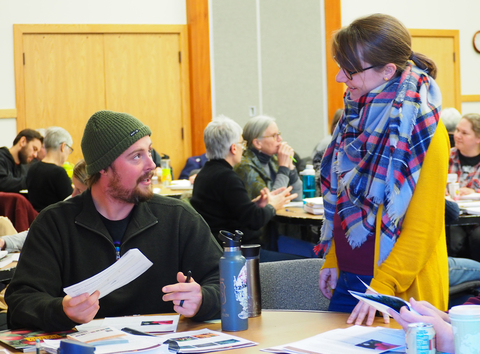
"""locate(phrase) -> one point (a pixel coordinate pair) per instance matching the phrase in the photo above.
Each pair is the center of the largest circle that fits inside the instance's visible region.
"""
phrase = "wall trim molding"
(8, 113)
(470, 98)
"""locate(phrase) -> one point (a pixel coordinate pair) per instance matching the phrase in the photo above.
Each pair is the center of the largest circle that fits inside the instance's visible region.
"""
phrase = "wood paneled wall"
(200, 82)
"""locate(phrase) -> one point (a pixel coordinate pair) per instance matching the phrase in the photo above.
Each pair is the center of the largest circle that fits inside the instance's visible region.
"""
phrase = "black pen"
(136, 332)
(189, 277)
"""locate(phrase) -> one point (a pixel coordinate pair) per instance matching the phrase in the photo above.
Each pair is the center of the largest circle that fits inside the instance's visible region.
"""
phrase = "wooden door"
(64, 82)
(442, 48)
(72, 71)
(142, 77)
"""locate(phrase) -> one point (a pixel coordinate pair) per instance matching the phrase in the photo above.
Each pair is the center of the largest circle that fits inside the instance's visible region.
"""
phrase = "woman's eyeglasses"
(274, 136)
(349, 73)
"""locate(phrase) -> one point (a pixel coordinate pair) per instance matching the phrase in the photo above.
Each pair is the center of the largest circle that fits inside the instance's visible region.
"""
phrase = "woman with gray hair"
(219, 195)
(47, 180)
(268, 161)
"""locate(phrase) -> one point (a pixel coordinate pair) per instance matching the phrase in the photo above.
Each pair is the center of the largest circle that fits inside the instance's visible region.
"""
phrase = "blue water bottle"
(233, 283)
(308, 179)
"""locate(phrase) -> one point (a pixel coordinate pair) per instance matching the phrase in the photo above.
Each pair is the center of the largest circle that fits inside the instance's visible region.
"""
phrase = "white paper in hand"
(129, 267)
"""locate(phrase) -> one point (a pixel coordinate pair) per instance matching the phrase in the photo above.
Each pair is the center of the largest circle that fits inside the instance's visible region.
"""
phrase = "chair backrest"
(292, 285)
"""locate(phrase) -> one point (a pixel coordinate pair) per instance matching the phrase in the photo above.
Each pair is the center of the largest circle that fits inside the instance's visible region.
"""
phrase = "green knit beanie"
(107, 135)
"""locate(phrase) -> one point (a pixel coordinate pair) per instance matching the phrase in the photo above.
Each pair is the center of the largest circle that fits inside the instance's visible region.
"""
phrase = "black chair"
(460, 293)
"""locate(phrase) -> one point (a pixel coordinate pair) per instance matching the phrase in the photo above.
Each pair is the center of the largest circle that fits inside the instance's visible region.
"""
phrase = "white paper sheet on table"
(355, 339)
(294, 205)
(472, 196)
(9, 258)
(140, 323)
(131, 265)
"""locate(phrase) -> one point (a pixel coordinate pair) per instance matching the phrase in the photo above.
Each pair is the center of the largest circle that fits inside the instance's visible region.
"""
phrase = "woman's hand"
(327, 281)
(285, 154)
(466, 191)
(428, 314)
(363, 309)
(261, 200)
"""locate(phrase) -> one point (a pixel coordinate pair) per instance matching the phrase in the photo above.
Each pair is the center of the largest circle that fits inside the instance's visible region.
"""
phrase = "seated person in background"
(219, 195)
(79, 178)
(450, 117)
(193, 166)
(47, 180)
(465, 163)
(267, 161)
(42, 152)
(118, 212)
(13, 161)
(12, 241)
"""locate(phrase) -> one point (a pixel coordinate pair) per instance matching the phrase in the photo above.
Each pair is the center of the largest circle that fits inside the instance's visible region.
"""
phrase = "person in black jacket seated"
(219, 194)
(73, 240)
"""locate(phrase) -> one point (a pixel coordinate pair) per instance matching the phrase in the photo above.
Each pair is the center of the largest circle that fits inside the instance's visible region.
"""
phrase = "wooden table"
(298, 216)
(175, 193)
(274, 327)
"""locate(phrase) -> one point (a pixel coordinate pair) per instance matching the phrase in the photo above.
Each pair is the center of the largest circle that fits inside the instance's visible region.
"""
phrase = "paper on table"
(147, 324)
(9, 258)
(294, 205)
(355, 339)
(135, 344)
(131, 265)
(205, 341)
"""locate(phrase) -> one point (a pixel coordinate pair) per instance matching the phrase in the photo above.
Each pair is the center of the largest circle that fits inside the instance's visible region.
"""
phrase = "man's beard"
(135, 195)
(23, 156)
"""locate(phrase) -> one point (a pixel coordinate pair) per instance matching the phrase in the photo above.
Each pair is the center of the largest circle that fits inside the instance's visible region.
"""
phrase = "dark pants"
(342, 300)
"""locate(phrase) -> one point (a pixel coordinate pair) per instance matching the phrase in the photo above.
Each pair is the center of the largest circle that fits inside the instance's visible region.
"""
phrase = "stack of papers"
(313, 205)
(7, 258)
(180, 184)
(206, 341)
(131, 265)
(352, 340)
(472, 196)
(472, 211)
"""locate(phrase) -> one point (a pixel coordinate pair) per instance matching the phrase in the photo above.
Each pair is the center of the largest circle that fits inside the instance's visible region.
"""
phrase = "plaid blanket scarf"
(375, 158)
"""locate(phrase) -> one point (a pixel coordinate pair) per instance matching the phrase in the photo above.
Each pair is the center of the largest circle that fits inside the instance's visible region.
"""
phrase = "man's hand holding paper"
(81, 303)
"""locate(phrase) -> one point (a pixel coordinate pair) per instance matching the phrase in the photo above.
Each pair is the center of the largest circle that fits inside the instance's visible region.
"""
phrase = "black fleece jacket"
(68, 243)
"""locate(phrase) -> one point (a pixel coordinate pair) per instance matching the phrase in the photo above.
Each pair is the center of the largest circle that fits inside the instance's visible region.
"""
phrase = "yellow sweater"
(418, 264)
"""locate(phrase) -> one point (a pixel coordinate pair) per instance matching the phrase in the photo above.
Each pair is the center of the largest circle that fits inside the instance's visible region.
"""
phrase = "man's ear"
(23, 141)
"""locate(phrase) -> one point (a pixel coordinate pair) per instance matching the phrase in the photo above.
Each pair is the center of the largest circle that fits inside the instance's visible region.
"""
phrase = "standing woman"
(383, 175)
(268, 161)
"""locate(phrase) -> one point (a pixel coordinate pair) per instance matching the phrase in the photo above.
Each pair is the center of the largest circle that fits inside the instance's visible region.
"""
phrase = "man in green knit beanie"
(73, 240)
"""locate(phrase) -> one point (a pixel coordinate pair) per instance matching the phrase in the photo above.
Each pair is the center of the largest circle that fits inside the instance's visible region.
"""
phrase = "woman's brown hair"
(377, 39)
(474, 119)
